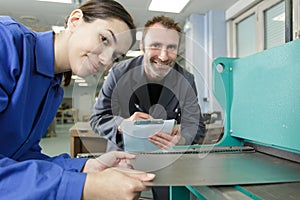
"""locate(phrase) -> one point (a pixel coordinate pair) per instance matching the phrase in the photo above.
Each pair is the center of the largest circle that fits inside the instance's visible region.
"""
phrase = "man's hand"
(165, 140)
(136, 116)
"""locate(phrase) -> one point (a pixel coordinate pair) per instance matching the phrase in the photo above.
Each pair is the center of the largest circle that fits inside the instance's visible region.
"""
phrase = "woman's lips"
(95, 67)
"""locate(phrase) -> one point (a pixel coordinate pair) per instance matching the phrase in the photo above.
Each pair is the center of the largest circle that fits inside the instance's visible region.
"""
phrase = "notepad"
(136, 133)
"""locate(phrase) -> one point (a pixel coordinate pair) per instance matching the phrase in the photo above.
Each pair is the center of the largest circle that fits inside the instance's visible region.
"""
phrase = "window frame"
(296, 19)
(258, 11)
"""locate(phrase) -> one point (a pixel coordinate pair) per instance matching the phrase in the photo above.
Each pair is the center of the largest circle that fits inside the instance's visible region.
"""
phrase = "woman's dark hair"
(104, 9)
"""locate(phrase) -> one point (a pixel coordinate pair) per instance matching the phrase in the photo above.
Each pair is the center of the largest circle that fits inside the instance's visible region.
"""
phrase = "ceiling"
(41, 16)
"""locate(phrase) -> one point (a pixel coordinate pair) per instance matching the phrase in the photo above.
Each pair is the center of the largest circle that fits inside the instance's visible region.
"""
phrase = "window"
(260, 27)
(246, 36)
(274, 26)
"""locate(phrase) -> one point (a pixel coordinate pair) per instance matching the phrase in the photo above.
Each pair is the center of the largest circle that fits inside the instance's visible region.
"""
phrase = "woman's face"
(92, 47)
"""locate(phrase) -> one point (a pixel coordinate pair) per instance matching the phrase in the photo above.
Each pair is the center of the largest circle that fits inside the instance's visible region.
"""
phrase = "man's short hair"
(167, 22)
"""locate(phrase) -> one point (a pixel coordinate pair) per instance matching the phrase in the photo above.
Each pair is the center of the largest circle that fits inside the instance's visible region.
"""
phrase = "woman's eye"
(117, 58)
(104, 40)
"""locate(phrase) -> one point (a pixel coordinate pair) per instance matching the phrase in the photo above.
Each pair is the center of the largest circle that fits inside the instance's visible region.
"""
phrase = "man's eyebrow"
(113, 35)
(155, 43)
(172, 45)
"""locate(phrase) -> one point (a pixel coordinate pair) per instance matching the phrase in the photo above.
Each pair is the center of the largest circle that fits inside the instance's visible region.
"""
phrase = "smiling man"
(150, 86)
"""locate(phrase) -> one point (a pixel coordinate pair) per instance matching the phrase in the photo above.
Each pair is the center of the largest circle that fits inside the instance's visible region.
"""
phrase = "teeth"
(161, 63)
(158, 63)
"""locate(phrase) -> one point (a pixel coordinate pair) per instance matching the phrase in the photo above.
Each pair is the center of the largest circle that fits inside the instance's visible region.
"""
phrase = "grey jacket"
(124, 93)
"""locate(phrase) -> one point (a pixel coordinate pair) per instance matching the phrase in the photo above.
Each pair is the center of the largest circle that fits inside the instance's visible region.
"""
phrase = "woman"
(32, 67)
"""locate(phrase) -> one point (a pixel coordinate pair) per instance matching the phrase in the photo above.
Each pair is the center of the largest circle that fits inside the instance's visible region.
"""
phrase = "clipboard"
(136, 133)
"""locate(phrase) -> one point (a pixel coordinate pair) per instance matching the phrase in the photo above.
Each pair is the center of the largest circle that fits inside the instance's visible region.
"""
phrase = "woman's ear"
(74, 19)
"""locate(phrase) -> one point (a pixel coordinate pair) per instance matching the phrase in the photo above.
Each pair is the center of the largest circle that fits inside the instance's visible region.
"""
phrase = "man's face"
(160, 47)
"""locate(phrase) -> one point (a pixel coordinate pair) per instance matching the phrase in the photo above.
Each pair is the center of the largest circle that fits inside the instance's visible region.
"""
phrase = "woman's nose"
(106, 56)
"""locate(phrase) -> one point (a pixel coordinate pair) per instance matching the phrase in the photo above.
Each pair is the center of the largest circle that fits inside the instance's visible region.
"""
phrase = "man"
(150, 86)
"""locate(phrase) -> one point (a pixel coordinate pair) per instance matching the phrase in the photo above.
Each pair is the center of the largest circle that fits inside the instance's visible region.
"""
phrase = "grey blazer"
(125, 92)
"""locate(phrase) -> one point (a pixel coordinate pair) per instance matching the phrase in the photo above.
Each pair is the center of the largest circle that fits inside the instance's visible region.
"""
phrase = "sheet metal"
(215, 169)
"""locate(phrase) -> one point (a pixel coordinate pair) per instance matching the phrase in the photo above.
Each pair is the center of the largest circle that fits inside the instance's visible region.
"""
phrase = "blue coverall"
(30, 94)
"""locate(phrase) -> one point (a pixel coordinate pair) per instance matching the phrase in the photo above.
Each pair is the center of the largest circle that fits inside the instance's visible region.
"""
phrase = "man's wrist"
(181, 141)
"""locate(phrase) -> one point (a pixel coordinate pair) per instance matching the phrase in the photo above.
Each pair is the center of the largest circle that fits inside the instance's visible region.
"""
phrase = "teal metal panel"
(261, 96)
(196, 193)
(222, 88)
(179, 193)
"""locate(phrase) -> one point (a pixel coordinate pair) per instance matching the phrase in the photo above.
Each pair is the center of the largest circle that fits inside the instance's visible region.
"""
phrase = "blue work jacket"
(30, 94)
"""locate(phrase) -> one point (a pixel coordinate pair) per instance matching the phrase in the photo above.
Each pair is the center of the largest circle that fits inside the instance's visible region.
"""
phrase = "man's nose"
(163, 54)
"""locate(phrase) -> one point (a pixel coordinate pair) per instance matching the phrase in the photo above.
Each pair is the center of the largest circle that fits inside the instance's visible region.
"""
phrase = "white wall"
(205, 41)
(83, 100)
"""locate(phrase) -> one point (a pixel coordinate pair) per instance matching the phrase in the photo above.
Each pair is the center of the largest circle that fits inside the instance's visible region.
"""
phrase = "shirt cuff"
(71, 186)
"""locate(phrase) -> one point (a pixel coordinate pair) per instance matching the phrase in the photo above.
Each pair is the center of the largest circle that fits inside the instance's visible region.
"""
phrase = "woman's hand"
(116, 183)
(107, 160)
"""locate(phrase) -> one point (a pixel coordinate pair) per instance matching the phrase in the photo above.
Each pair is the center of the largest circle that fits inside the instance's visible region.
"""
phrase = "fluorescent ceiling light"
(57, 1)
(76, 77)
(79, 81)
(83, 84)
(167, 5)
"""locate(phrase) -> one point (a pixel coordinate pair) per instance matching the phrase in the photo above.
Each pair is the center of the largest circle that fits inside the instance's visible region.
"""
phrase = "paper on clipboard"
(136, 133)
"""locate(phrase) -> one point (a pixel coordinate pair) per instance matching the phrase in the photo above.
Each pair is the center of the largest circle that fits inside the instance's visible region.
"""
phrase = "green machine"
(261, 97)
(258, 156)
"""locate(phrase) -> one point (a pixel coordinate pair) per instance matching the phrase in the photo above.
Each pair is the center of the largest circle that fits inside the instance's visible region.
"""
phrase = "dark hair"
(104, 9)
(167, 22)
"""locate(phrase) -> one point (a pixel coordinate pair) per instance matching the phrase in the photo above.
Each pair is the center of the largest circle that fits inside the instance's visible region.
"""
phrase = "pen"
(176, 110)
(177, 115)
(138, 107)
